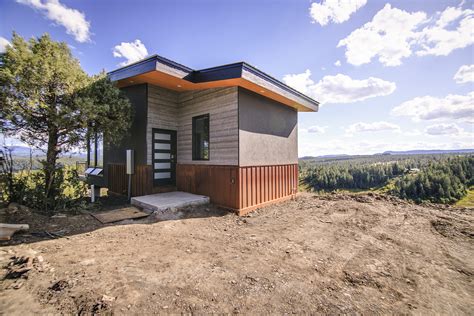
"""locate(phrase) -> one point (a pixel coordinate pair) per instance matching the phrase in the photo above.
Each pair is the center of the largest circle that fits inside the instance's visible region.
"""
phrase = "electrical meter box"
(130, 164)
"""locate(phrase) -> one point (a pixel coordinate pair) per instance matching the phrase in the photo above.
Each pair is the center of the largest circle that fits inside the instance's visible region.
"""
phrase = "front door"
(164, 156)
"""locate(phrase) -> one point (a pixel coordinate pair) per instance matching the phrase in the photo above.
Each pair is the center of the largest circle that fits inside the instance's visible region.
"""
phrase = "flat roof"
(164, 72)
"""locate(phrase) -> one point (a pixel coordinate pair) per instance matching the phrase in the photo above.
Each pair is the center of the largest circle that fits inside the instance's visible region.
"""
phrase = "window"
(201, 137)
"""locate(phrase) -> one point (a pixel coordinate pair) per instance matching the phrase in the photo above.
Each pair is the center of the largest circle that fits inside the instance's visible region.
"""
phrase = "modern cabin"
(227, 132)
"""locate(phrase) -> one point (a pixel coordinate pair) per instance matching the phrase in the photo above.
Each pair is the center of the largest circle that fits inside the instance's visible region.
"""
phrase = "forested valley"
(443, 178)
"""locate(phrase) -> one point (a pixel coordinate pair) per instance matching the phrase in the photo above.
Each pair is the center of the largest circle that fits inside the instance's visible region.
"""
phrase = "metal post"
(129, 188)
(129, 170)
(92, 193)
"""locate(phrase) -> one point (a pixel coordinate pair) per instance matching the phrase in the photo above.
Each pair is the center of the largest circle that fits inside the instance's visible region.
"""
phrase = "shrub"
(28, 188)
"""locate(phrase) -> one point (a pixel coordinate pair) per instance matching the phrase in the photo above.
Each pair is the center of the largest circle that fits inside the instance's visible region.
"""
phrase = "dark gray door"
(164, 156)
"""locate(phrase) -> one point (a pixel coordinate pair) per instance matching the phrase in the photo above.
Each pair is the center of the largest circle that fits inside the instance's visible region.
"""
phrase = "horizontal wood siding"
(141, 181)
(220, 183)
(174, 111)
(262, 184)
(162, 113)
(222, 107)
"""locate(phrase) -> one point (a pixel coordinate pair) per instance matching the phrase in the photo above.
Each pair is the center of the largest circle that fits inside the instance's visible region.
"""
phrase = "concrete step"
(170, 200)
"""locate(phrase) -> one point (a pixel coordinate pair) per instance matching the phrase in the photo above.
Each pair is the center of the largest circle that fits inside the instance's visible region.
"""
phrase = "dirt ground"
(324, 254)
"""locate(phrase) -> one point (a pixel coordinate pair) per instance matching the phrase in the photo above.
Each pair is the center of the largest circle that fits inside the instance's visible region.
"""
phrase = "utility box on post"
(130, 169)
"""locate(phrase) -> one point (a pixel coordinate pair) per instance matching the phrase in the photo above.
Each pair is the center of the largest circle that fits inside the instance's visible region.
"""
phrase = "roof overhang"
(168, 74)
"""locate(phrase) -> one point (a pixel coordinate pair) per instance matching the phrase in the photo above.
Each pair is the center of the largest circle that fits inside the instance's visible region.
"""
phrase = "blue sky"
(384, 70)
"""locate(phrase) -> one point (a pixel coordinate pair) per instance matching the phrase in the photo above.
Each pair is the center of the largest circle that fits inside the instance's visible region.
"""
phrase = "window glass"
(201, 137)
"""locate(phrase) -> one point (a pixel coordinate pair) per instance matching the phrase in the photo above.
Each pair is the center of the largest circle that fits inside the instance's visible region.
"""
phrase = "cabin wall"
(268, 131)
(172, 110)
(253, 145)
(135, 138)
(162, 113)
(222, 106)
(261, 185)
(220, 183)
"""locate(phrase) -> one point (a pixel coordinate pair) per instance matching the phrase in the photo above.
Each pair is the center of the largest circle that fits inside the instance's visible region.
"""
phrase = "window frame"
(194, 149)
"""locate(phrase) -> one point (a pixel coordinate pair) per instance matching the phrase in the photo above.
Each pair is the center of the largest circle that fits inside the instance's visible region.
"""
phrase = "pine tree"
(49, 101)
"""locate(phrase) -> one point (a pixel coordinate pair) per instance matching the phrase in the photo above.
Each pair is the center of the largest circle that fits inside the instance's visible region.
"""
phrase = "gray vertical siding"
(268, 133)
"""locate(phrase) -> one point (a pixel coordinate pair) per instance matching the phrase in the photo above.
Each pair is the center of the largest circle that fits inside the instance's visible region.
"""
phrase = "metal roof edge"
(142, 61)
(277, 82)
(154, 57)
(128, 69)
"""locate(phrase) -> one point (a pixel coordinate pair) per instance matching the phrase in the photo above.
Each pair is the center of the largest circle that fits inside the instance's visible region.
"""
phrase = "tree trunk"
(50, 164)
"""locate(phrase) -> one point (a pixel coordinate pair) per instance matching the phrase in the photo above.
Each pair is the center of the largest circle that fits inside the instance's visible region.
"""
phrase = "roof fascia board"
(301, 103)
(151, 63)
(277, 83)
(236, 70)
(173, 64)
(134, 69)
(229, 71)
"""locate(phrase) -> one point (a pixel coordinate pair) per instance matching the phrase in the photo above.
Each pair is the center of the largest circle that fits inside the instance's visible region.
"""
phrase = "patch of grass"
(468, 200)
(379, 189)
(303, 187)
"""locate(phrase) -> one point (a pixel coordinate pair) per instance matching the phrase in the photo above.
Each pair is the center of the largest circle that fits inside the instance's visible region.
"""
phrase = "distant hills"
(324, 156)
(23, 151)
(428, 151)
(392, 152)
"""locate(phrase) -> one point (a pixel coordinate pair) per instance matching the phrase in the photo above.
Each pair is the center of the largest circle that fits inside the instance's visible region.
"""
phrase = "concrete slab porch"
(169, 200)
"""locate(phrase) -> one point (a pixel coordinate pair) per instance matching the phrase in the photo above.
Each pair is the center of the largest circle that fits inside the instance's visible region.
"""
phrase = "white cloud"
(372, 127)
(465, 74)
(300, 82)
(3, 44)
(415, 132)
(336, 11)
(440, 39)
(73, 20)
(339, 88)
(387, 36)
(457, 107)
(394, 34)
(337, 63)
(444, 129)
(316, 129)
(132, 52)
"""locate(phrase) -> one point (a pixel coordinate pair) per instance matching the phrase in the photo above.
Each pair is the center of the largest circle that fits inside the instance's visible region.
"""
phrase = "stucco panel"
(268, 131)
